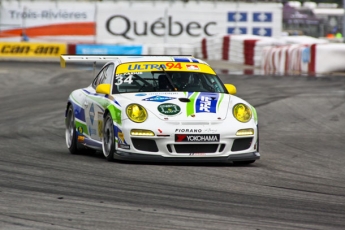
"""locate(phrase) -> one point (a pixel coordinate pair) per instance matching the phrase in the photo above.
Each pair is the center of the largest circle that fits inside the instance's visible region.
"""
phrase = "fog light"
(81, 139)
(142, 132)
(245, 132)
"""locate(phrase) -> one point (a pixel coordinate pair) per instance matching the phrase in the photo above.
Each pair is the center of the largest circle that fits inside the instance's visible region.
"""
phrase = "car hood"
(194, 106)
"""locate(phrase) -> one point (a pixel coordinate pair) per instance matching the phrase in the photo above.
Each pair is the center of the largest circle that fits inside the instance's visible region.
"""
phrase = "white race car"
(165, 108)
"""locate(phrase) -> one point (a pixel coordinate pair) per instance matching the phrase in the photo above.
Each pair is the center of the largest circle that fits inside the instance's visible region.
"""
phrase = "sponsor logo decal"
(123, 146)
(100, 125)
(192, 67)
(206, 103)
(121, 136)
(197, 154)
(31, 49)
(92, 131)
(92, 113)
(188, 130)
(146, 67)
(80, 130)
(197, 137)
(202, 103)
(140, 94)
(159, 98)
(169, 109)
(129, 73)
(209, 130)
(163, 93)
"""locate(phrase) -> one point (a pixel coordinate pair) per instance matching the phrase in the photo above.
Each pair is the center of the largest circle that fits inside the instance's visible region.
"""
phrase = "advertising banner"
(25, 49)
(47, 20)
(178, 22)
(85, 49)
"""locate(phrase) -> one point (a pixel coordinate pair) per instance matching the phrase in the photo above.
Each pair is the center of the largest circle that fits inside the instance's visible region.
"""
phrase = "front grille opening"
(221, 148)
(241, 144)
(190, 148)
(145, 144)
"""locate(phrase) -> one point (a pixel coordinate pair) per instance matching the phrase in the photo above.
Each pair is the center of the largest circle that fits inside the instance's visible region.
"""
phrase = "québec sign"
(158, 28)
(179, 23)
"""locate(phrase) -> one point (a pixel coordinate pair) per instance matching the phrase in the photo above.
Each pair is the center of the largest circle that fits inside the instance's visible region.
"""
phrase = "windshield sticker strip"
(134, 67)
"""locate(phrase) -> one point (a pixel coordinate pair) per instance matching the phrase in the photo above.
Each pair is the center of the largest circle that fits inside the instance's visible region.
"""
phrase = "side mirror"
(231, 89)
(103, 89)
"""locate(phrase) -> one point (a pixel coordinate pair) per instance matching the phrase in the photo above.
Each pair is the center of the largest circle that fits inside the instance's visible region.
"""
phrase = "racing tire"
(108, 140)
(70, 132)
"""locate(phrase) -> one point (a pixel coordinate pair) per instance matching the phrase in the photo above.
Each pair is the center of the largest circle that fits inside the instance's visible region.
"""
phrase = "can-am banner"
(137, 22)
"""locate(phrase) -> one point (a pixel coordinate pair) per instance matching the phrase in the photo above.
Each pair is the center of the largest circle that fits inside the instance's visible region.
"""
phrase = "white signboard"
(178, 22)
(47, 19)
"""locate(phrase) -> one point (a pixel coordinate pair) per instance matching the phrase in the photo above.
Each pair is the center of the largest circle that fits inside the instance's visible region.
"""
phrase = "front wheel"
(108, 143)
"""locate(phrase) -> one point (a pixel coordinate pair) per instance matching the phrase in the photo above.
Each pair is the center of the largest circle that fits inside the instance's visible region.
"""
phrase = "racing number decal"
(119, 80)
(171, 65)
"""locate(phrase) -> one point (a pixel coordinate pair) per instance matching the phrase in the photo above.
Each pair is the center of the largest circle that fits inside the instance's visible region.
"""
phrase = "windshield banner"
(163, 66)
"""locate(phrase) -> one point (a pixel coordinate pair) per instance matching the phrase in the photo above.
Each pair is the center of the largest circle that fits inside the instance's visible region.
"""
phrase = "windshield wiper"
(169, 79)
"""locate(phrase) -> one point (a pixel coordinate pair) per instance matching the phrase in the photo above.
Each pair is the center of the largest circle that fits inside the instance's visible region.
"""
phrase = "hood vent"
(184, 99)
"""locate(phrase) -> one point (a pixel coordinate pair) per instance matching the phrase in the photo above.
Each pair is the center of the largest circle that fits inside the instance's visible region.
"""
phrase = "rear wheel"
(70, 132)
(108, 143)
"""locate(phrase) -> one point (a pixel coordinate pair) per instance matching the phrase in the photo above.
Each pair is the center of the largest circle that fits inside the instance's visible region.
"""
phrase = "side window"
(98, 79)
(108, 73)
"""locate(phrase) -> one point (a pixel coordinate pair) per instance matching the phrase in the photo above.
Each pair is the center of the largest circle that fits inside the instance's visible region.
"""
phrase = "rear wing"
(104, 58)
(85, 59)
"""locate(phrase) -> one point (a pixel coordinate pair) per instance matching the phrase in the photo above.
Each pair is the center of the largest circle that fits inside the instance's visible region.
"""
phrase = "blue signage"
(237, 16)
(262, 17)
(306, 55)
(237, 30)
(262, 31)
(95, 49)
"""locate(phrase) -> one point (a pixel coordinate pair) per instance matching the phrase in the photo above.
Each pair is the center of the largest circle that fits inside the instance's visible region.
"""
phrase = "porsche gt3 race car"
(165, 108)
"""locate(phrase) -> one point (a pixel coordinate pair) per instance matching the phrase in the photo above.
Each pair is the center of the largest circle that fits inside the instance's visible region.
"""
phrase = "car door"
(94, 111)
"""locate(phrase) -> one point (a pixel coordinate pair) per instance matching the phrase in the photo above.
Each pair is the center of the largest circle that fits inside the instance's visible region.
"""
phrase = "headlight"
(242, 112)
(142, 132)
(136, 113)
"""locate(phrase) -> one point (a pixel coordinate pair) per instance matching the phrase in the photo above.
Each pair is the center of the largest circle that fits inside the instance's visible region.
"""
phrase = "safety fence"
(283, 55)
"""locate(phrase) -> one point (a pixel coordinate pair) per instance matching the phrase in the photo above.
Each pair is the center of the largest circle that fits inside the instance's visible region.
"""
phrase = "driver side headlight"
(242, 112)
(136, 113)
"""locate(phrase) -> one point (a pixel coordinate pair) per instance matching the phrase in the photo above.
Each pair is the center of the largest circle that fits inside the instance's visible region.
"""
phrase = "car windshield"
(158, 81)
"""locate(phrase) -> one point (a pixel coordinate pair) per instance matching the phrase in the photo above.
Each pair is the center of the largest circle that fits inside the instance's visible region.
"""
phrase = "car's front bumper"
(127, 156)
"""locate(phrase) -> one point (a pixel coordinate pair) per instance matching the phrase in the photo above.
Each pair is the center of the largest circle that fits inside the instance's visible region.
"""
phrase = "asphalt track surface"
(299, 182)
